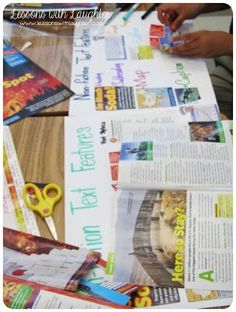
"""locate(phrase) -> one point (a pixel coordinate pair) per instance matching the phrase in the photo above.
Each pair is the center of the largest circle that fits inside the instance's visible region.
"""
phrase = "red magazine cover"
(27, 88)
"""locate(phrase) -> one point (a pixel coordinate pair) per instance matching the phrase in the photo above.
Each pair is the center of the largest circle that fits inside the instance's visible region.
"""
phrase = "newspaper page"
(191, 155)
(175, 239)
(128, 75)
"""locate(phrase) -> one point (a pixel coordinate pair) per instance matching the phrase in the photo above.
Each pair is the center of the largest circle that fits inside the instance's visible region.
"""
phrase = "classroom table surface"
(39, 143)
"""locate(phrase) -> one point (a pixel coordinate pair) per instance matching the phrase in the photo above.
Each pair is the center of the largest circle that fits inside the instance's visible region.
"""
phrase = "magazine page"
(125, 76)
(21, 294)
(196, 155)
(171, 238)
(94, 144)
(92, 152)
(165, 297)
(45, 261)
(179, 298)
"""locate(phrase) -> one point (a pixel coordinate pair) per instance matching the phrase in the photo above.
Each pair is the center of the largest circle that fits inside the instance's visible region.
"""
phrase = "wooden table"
(39, 143)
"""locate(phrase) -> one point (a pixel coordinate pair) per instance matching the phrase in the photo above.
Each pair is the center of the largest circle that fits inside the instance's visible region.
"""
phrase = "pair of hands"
(204, 43)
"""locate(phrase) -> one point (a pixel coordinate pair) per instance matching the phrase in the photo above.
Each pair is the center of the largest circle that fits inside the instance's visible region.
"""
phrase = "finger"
(170, 17)
(192, 53)
(185, 48)
(177, 22)
(164, 12)
(195, 51)
(185, 37)
(160, 15)
(164, 18)
(161, 11)
(173, 16)
(167, 19)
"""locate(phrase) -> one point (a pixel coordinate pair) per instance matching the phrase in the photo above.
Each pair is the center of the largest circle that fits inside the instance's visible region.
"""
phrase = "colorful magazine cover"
(27, 88)
(44, 261)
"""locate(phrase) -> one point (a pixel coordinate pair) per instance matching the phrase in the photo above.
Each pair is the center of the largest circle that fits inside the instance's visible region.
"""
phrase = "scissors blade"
(51, 226)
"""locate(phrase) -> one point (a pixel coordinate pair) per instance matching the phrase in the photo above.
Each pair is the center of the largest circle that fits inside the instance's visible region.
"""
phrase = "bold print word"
(179, 231)
(16, 82)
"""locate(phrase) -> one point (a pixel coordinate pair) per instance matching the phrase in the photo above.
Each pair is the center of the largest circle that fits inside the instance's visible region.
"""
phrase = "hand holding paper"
(174, 14)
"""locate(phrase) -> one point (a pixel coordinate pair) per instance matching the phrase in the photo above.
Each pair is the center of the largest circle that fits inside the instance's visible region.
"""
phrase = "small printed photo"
(114, 172)
(137, 151)
(155, 97)
(114, 157)
(115, 48)
(187, 95)
(157, 31)
(145, 52)
(154, 42)
(207, 131)
(141, 52)
(111, 98)
(200, 295)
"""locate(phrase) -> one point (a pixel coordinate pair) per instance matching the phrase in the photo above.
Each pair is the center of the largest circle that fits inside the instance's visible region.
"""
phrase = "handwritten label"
(99, 79)
(183, 77)
(83, 198)
(117, 75)
(82, 46)
(141, 79)
(82, 86)
(93, 237)
(85, 160)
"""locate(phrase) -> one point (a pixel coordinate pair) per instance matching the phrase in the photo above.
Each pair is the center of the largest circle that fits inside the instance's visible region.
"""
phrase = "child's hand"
(206, 44)
(174, 14)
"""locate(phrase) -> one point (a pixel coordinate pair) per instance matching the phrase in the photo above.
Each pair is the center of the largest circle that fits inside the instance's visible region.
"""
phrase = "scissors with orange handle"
(42, 202)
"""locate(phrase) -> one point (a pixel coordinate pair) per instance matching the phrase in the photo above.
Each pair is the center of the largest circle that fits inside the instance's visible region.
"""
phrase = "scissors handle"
(27, 190)
(44, 203)
(52, 199)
